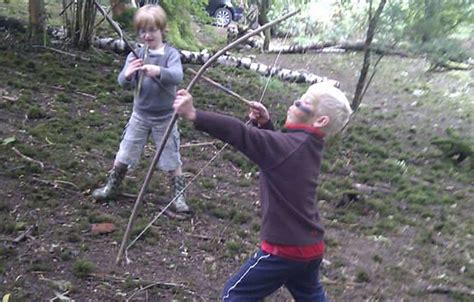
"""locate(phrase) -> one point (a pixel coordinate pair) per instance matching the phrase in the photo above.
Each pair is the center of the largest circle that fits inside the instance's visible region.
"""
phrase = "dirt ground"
(49, 251)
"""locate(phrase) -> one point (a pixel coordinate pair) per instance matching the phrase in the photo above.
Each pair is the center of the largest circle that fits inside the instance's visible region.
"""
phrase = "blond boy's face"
(302, 111)
(151, 36)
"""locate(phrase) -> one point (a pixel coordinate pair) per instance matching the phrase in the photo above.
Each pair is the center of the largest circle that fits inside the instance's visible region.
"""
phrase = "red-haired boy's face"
(151, 36)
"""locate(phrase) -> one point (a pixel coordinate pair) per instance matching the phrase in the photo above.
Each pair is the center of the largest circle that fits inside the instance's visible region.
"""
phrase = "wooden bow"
(159, 151)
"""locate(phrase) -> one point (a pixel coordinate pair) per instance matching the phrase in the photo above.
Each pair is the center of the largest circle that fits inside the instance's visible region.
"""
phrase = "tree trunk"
(361, 84)
(37, 20)
(264, 7)
(79, 19)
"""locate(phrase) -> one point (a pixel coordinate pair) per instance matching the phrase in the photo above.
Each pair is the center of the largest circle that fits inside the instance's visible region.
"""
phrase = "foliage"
(455, 147)
(419, 26)
(83, 268)
(179, 20)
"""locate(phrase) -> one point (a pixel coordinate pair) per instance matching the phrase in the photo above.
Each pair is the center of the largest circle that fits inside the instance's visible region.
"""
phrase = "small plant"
(455, 147)
(362, 277)
(83, 268)
(35, 113)
(233, 247)
(63, 98)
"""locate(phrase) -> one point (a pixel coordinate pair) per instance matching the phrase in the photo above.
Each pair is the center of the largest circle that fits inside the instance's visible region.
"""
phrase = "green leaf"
(8, 140)
(6, 298)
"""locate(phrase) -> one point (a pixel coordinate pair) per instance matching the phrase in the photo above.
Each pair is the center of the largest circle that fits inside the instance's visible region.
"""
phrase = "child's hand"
(259, 113)
(151, 70)
(133, 66)
(183, 104)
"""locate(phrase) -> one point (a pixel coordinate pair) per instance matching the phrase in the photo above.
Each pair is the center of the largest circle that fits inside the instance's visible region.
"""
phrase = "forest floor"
(408, 236)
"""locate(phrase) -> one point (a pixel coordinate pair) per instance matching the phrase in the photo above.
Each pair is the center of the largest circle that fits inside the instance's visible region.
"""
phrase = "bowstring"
(150, 224)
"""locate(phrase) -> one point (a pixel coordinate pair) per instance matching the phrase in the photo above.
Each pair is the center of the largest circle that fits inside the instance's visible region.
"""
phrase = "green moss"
(362, 277)
(35, 112)
(83, 268)
(233, 247)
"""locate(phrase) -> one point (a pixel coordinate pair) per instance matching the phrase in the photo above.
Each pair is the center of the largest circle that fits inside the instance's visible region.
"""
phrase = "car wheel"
(222, 16)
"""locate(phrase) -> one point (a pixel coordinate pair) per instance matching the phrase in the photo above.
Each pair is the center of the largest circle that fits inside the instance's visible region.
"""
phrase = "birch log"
(199, 58)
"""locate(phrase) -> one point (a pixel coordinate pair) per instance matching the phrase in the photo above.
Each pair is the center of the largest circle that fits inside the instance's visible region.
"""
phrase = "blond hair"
(151, 15)
(330, 101)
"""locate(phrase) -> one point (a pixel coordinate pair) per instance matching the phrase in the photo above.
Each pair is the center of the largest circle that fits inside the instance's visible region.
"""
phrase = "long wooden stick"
(151, 169)
(225, 89)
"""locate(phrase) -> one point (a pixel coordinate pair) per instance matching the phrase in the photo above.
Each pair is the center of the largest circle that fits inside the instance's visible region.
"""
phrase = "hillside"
(398, 214)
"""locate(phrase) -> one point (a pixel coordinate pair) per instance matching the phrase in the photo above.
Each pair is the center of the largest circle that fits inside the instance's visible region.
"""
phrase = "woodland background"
(396, 192)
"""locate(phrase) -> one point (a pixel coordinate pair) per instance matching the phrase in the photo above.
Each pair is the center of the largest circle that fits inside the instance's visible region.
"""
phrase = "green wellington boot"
(110, 189)
(178, 185)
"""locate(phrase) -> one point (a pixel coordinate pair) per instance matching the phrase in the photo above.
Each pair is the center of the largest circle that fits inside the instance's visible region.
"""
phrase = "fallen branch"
(55, 184)
(67, 183)
(77, 92)
(10, 98)
(24, 234)
(449, 290)
(188, 145)
(27, 158)
(63, 52)
(283, 74)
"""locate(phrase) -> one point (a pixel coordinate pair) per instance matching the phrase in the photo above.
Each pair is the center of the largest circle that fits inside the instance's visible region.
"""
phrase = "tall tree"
(264, 7)
(80, 18)
(37, 20)
(362, 84)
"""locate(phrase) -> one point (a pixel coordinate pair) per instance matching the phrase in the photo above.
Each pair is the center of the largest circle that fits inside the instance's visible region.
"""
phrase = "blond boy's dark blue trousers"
(263, 274)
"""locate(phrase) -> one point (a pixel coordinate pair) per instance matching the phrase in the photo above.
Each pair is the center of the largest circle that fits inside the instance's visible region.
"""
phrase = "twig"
(197, 144)
(60, 296)
(204, 237)
(67, 183)
(54, 183)
(335, 282)
(10, 98)
(61, 52)
(67, 6)
(28, 158)
(103, 19)
(129, 195)
(77, 92)
(219, 86)
(24, 234)
(85, 94)
(448, 290)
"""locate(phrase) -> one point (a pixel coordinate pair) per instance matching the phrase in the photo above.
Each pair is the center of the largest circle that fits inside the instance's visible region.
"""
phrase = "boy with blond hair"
(152, 106)
(292, 245)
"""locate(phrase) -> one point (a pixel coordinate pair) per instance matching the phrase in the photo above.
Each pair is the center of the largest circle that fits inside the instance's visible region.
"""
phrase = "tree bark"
(361, 84)
(189, 57)
(264, 7)
(79, 19)
(37, 23)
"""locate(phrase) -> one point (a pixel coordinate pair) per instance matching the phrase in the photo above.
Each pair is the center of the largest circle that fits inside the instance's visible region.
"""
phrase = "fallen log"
(339, 46)
(199, 58)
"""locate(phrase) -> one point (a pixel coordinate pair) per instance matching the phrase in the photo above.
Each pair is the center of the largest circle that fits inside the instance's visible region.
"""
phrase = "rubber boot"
(110, 189)
(178, 185)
